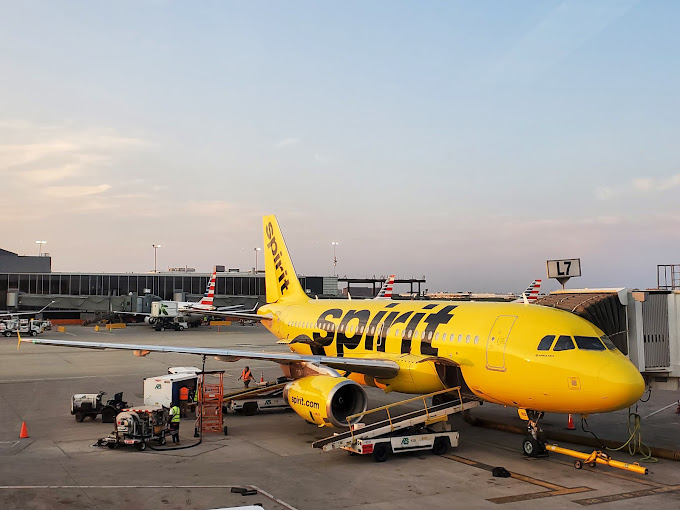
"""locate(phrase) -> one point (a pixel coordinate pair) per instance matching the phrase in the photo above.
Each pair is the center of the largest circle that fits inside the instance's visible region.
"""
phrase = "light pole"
(335, 259)
(155, 249)
(256, 250)
(40, 243)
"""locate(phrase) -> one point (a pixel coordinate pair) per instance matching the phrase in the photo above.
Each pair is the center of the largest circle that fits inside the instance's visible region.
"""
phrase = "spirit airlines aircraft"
(529, 357)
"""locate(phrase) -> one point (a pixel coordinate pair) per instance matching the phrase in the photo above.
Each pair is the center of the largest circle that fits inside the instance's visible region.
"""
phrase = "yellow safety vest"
(174, 412)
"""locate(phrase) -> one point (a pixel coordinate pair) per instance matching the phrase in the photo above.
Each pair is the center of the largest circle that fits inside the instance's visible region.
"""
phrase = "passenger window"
(460, 338)
(396, 333)
(415, 335)
(564, 343)
(476, 339)
(546, 343)
(429, 335)
(342, 328)
(372, 330)
(607, 341)
(361, 330)
(467, 339)
(589, 343)
(443, 337)
(409, 333)
(436, 336)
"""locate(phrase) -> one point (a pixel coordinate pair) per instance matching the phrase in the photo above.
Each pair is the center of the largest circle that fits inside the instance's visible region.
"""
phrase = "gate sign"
(565, 268)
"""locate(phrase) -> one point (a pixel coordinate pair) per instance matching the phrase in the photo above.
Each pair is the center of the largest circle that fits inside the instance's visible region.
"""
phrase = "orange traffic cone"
(261, 377)
(24, 431)
(570, 423)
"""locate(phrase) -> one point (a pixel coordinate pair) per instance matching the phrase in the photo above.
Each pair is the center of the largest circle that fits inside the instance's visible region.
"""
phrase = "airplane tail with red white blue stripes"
(531, 293)
(209, 295)
(386, 289)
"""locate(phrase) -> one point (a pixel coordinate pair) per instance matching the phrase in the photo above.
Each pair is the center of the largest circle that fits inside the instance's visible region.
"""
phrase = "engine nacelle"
(326, 400)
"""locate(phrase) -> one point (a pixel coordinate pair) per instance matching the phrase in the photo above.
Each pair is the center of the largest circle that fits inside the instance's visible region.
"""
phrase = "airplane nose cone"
(622, 384)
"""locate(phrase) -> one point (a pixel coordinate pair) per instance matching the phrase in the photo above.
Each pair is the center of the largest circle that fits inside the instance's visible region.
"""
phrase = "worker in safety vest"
(183, 401)
(247, 376)
(174, 422)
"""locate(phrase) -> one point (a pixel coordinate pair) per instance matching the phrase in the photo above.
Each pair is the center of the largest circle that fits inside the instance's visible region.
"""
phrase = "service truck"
(162, 390)
(23, 326)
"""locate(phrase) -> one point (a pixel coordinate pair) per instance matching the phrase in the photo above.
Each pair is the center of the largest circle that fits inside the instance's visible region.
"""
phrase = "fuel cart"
(138, 425)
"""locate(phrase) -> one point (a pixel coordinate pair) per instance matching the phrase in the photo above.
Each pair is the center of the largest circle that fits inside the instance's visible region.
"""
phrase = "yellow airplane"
(513, 354)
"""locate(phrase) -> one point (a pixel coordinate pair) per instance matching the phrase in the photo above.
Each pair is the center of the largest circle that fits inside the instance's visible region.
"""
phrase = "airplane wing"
(381, 368)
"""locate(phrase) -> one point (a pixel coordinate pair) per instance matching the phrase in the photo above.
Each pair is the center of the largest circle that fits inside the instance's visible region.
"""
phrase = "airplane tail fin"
(280, 278)
(386, 289)
(209, 291)
(532, 291)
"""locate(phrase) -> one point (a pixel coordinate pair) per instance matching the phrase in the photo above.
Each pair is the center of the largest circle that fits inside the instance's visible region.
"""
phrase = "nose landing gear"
(533, 445)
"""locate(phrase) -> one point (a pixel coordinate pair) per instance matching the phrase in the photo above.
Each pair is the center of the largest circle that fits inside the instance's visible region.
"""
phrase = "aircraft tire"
(531, 447)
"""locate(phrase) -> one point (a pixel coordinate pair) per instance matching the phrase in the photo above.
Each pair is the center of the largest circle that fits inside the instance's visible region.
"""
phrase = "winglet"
(19, 339)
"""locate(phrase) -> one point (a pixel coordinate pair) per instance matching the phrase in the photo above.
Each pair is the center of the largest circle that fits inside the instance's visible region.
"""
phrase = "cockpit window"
(564, 343)
(610, 345)
(546, 343)
(589, 343)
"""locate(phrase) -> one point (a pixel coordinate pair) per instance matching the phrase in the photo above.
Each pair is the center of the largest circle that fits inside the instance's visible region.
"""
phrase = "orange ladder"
(210, 397)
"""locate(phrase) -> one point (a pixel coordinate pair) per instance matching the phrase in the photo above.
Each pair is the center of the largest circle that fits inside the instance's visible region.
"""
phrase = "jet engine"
(325, 400)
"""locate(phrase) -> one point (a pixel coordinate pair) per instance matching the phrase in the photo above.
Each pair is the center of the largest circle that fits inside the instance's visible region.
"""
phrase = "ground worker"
(246, 376)
(183, 401)
(174, 422)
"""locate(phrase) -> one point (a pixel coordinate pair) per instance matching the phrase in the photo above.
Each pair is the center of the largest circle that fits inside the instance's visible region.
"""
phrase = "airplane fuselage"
(496, 346)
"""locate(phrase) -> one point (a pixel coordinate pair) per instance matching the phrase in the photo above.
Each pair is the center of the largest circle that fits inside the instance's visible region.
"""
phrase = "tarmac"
(58, 466)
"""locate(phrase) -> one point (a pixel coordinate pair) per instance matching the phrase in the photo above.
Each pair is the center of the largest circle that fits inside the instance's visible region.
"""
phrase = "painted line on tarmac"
(627, 495)
(35, 487)
(66, 378)
(553, 488)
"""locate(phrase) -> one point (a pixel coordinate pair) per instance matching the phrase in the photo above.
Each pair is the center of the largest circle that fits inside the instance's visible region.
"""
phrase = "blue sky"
(464, 141)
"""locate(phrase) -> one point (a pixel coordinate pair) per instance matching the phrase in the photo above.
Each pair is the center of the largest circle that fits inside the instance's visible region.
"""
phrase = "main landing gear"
(533, 445)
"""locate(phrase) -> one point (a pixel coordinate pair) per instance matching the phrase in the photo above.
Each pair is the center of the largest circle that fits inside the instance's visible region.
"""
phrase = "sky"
(466, 142)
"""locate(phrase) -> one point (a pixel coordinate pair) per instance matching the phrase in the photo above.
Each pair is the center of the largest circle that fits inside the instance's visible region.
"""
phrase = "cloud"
(286, 142)
(645, 185)
(75, 191)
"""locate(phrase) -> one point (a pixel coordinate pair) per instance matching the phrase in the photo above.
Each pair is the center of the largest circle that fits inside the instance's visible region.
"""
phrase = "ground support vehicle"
(422, 429)
(24, 326)
(406, 441)
(177, 323)
(137, 426)
(85, 405)
(266, 396)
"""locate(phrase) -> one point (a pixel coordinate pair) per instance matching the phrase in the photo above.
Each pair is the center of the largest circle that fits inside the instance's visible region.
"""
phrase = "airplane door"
(498, 338)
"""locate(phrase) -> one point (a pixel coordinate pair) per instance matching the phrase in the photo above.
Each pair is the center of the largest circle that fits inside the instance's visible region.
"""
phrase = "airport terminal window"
(610, 345)
(564, 343)
(546, 343)
(589, 343)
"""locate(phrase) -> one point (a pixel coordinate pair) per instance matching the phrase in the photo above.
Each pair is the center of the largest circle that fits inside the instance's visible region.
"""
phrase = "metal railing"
(668, 276)
(401, 402)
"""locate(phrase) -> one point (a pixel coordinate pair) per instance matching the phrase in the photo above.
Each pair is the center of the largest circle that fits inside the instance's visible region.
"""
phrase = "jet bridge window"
(546, 343)
(589, 343)
(564, 343)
